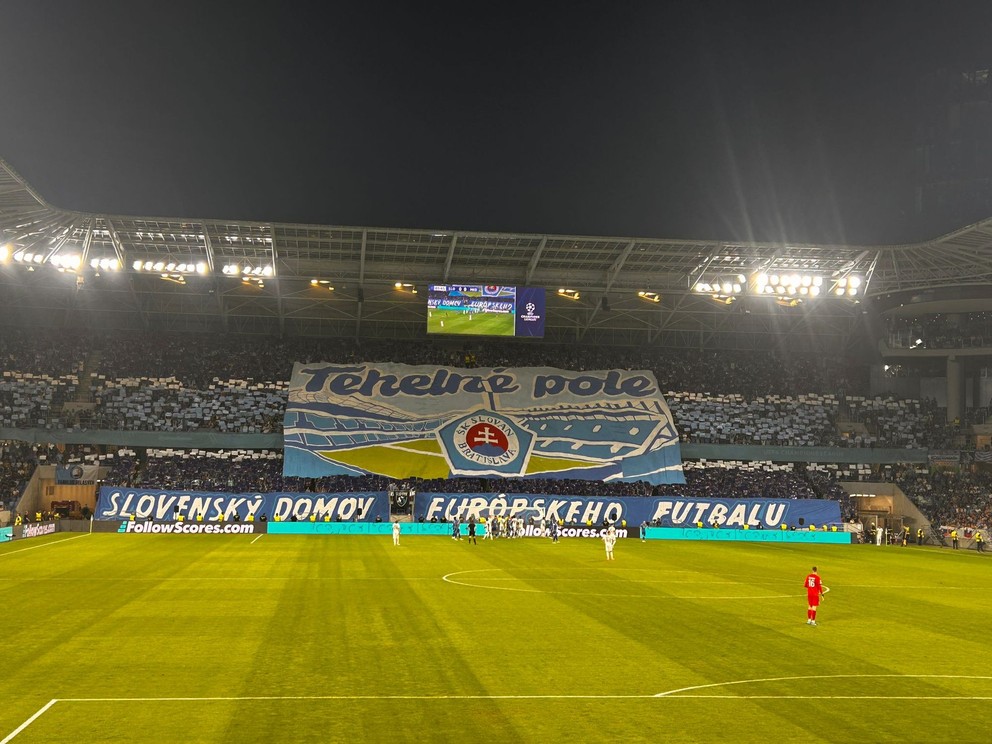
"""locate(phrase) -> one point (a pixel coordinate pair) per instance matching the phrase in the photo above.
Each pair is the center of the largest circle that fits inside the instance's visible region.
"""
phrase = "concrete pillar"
(955, 389)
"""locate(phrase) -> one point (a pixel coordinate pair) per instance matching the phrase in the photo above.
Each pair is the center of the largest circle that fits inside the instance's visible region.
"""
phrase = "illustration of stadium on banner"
(403, 421)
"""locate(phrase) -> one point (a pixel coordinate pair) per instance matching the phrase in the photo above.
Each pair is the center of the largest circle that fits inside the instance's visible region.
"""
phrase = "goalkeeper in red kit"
(814, 592)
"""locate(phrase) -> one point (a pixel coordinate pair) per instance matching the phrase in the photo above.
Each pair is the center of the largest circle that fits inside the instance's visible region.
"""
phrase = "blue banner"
(660, 511)
(790, 536)
(166, 506)
(404, 421)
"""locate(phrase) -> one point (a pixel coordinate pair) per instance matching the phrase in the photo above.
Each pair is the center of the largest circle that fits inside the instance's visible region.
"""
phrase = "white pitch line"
(28, 722)
(43, 545)
(675, 693)
(825, 697)
(276, 698)
(256, 539)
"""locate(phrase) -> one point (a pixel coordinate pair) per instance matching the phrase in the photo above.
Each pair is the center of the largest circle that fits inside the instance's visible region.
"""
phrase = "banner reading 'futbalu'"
(401, 421)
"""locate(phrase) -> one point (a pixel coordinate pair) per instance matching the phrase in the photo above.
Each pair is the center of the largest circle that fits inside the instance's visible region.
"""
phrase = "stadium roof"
(278, 296)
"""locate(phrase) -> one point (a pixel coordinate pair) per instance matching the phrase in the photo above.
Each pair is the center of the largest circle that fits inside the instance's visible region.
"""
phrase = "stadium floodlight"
(39, 258)
(568, 294)
(136, 265)
(4, 251)
(201, 267)
(649, 296)
(158, 265)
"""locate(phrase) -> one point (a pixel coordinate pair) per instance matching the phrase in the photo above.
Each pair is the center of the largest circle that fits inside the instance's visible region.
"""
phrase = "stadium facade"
(62, 268)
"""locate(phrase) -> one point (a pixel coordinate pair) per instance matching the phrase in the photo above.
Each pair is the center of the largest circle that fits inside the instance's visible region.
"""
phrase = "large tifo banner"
(659, 510)
(164, 506)
(401, 421)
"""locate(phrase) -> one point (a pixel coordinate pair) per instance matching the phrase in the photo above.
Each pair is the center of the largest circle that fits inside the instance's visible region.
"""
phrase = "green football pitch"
(474, 324)
(274, 638)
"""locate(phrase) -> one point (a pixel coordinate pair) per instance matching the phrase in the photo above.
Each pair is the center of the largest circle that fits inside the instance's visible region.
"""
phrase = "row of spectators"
(197, 361)
(145, 404)
(942, 331)
(950, 497)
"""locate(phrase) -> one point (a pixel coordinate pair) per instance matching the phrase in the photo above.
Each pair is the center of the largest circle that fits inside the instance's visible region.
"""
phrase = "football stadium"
(289, 482)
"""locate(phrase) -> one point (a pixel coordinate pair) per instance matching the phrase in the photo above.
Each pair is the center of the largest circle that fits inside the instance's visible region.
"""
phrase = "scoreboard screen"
(485, 310)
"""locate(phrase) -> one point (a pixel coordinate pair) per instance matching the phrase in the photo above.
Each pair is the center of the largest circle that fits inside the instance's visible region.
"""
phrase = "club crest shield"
(485, 443)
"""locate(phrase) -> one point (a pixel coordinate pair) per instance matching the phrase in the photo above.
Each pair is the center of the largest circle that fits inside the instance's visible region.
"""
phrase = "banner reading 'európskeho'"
(402, 421)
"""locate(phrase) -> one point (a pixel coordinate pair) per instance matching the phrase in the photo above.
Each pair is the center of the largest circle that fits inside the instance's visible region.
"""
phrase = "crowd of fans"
(942, 331)
(238, 384)
(950, 497)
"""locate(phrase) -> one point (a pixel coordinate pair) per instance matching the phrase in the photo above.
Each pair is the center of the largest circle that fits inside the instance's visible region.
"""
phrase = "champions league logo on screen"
(529, 314)
(485, 443)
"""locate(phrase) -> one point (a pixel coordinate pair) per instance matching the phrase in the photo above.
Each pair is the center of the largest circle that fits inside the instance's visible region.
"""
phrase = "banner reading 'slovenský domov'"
(402, 421)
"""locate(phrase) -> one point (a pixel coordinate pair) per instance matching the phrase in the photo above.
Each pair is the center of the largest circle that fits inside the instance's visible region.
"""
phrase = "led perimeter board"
(485, 310)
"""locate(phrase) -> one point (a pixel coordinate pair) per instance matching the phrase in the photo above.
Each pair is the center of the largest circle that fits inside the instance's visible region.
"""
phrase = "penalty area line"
(257, 539)
(28, 722)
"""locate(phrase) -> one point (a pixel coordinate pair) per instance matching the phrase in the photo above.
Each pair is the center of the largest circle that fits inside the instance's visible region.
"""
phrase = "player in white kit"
(610, 539)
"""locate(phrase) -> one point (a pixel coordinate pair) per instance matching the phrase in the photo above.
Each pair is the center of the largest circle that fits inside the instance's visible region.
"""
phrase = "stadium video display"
(485, 310)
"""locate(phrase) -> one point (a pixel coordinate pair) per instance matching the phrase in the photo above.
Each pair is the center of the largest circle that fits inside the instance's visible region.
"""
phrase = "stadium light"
(322, 284)
(798, 286)
(649, 296)
(723, 289)
(848, 286)
(159, 267)
(66, 262)
(4, 251)
(105, 264)
(569, 294)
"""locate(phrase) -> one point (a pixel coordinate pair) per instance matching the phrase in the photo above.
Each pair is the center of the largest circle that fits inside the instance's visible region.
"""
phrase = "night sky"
(737, 121)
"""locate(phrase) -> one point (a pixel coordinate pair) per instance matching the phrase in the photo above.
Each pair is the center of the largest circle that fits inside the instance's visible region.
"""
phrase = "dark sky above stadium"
(749, 120)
